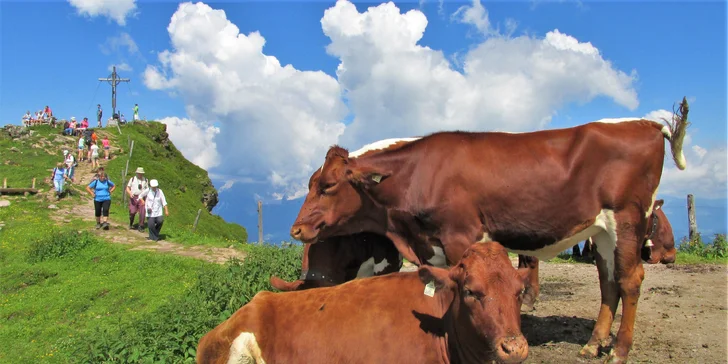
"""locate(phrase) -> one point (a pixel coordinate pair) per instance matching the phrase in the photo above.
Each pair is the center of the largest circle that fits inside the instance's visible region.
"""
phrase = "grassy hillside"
(186, 186)
(69, 295)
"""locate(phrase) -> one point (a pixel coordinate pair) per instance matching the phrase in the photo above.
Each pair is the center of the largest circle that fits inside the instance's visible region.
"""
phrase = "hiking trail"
(118, 233)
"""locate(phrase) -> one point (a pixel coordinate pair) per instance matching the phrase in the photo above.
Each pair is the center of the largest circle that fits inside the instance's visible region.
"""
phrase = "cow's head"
(663, 249)
(336, 195)
(487, 293)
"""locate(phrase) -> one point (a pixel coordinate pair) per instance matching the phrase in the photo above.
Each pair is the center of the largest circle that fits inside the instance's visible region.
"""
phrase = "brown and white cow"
(340, 259)
(467, 314)
(659, 242)
(537, 193)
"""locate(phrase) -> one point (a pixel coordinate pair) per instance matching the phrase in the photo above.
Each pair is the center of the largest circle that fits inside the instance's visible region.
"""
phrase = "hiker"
(136, 112)
(105, 143)
(70, 165)
(135, 187)
(99, 113)
(94, 151)
(155, 202)
(81, 147)
(58, 176)
(101, 189)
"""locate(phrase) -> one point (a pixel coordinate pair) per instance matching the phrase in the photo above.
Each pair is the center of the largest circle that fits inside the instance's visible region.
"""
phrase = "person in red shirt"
(84, 123)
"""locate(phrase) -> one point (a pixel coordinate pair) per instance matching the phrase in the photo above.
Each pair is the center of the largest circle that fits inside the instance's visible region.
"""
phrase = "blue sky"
(256, 128)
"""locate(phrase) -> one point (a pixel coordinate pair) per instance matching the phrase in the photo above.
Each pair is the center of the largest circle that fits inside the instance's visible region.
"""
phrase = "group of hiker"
(145, 199)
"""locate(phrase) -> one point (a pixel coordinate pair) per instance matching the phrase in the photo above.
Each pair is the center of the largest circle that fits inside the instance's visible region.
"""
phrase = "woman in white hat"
(155, 202)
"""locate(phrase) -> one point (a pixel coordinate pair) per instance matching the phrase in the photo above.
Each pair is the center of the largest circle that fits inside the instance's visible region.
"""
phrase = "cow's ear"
(437, 276)
(658, 204)
(366, 176)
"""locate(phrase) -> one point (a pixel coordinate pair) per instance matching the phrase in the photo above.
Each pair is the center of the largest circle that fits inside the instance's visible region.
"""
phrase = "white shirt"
(95, 150)
(134, 185)
(154, 201)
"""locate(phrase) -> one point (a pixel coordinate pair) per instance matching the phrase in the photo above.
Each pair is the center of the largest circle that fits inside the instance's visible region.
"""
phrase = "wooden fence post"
(126, 170)
(260, 222)
(123, 190)
(197, 219)
(691, 217)
(5, 183)
(33, 185)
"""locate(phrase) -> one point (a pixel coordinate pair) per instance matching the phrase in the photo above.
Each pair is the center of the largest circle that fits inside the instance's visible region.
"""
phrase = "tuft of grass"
(695, 251)
(59, 244)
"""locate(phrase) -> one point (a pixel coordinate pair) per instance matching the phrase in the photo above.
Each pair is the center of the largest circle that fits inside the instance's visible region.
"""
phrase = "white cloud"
(125, 67)
(277, 120)
(227, 185)
(475, 15)
(116, 10)
(705, 176)
(399, 88)
(116, 43)
(194, 141)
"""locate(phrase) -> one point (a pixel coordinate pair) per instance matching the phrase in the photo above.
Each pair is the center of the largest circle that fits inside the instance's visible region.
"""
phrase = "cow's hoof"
(589, 351)
(613, 358)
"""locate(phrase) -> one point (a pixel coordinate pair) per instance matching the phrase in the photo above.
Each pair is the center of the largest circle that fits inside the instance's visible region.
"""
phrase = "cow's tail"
(674, 132)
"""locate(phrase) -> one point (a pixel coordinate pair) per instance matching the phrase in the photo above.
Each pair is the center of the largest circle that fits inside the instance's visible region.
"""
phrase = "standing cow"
(339, 259)
(537, 193)
(467, 314)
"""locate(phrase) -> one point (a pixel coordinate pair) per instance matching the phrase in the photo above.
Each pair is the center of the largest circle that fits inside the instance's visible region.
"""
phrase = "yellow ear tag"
(430, 289)
(376, 178)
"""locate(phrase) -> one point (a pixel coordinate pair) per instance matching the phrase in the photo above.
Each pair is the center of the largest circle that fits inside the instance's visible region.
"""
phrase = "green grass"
(50, 295)
(183, 183)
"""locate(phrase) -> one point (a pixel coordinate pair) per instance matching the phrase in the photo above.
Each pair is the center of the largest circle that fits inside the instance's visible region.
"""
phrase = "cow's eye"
(327, 186)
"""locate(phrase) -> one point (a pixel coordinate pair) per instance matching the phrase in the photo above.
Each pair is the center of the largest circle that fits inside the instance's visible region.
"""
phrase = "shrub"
(59, 244)
(171, 333)
(717, 249)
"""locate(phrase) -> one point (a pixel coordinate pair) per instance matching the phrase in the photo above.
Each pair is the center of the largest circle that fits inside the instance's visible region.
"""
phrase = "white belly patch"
(366, 269)
(604, 222)
(245, 350)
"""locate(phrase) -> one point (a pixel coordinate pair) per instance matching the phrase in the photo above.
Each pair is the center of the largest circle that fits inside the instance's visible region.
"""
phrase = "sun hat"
(140, 170)
(73, 118)
(153, 183)
(65, 152)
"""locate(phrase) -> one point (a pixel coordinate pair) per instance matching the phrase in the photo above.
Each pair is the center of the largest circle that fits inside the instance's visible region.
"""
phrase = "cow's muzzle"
(305, 233)
(512, 349)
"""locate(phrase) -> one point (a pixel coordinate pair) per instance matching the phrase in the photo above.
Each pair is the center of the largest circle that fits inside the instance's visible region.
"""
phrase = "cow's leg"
(575, 251)
(605, 257)
(630, 274)
(532, 289)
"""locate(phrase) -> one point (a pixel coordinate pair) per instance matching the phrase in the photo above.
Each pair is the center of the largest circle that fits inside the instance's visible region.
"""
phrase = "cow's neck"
(399, 165)
(462, 343)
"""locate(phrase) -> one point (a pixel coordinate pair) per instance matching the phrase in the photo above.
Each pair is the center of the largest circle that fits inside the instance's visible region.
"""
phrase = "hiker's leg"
(132, 210)
(97, 212)
(160, 222)
(152, 227)
(142, 213)
(105, 210)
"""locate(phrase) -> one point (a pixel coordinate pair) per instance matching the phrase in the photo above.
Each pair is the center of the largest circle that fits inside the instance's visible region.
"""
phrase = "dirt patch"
(681, 316)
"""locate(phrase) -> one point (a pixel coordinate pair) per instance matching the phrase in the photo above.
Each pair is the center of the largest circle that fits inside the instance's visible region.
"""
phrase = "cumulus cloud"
(276, 119)
(195, 142)
(397, 87)
(116, 10)
(279, 121)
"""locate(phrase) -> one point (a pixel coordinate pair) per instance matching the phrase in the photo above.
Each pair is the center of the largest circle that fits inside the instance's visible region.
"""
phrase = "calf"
(342, 258)
(467, 314)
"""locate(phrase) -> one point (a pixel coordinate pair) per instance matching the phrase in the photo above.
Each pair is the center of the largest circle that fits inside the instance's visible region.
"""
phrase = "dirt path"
(682, 315)
(119, 233)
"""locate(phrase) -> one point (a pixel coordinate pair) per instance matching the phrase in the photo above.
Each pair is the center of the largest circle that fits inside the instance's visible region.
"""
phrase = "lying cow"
(468, 314)
(537, 193)
(340, 259)
(660, 241)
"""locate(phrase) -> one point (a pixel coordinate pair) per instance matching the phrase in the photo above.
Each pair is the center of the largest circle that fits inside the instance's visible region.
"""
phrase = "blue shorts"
(80, 147)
